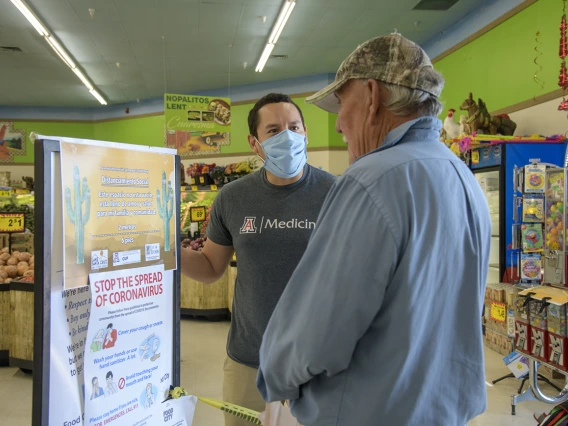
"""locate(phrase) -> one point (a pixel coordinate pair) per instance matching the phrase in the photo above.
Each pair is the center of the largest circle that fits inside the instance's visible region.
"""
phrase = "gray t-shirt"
(269, 227)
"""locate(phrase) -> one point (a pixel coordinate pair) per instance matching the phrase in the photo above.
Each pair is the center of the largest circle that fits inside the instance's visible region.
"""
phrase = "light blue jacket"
(380, 324)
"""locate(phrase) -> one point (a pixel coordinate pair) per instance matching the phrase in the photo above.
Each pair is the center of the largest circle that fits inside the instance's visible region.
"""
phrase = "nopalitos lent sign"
(197, 125)
(118, 209)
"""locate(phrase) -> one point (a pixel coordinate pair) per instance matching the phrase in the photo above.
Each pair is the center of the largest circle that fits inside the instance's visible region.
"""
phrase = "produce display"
(20, 203)
(16, 266)
(196, 244)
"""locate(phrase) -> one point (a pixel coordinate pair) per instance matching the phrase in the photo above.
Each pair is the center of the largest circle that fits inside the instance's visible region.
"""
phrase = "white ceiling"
(185, 46)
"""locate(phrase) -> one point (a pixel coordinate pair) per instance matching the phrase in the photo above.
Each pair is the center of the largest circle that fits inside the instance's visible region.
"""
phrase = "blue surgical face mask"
(285, 154)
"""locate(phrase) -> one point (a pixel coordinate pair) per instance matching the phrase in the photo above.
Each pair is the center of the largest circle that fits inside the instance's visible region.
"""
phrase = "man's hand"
(208, 265)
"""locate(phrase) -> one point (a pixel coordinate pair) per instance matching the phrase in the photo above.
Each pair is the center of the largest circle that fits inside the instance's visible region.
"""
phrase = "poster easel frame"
(43, 151)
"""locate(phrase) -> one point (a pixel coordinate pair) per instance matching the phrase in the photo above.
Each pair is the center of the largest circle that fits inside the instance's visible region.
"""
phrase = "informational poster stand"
(64, 308)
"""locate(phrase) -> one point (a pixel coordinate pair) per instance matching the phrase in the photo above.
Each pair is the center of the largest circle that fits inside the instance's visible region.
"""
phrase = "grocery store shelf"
(201, 188)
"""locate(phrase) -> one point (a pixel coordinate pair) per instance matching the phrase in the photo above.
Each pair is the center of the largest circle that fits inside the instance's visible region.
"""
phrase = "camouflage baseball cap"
(391, 59)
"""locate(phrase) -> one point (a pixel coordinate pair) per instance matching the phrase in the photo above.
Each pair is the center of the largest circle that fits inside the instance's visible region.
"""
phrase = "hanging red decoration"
(563, 77)
(562, 53)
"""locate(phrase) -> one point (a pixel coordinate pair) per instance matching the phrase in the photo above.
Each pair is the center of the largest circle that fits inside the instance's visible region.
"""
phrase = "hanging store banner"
(197, 125)
(128, 360)
(118, 209)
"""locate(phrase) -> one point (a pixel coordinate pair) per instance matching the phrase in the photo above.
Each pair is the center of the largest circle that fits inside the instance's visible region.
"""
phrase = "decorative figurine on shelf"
(450, 126)
(464, 127)
(480, 121)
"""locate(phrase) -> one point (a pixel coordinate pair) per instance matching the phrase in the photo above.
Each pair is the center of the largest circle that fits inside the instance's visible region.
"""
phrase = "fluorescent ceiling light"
(264, 57)
(99, 97)
(282, 19)
(285, 13)
(26, 11)
(86, 82)
(60, 51)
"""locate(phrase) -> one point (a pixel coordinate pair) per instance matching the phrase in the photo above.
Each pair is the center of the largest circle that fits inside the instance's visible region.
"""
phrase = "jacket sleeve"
(332, 297)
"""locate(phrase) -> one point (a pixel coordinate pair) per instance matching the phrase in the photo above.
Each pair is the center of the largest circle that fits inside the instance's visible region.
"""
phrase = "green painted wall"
(76, 130)
(147, 131)
(498, 66)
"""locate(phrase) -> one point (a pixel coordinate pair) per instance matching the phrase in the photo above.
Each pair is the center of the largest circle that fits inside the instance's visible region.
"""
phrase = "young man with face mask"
(267, 218)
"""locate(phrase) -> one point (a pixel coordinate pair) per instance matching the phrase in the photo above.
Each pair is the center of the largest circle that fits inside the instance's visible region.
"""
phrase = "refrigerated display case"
(489, 181)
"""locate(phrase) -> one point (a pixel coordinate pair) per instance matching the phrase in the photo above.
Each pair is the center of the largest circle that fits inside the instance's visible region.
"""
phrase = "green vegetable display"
(82, 194)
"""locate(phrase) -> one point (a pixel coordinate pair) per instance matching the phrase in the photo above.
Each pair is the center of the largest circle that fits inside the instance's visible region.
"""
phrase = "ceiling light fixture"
(97, 96)
(60, 51)
(264, 57)
(285, 13)
(281, 22)
(56, 46)
(30, 16)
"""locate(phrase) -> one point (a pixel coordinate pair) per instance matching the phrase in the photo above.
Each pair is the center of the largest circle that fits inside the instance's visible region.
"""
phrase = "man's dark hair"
(109, 374)
(271, 98)
(93, 381)
(109, 326)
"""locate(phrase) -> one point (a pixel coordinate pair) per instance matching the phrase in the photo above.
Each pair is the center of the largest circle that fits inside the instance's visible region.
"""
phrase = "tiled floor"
(203, 353)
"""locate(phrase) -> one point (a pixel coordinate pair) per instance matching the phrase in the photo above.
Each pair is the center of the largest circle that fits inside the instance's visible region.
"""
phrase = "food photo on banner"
(118, 209)
(197, 125)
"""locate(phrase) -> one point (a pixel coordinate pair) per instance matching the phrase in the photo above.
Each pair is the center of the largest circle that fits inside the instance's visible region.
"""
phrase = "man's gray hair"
(404, 101)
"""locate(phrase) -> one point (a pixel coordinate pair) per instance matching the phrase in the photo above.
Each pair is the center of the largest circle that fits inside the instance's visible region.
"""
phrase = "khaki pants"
(239, 387)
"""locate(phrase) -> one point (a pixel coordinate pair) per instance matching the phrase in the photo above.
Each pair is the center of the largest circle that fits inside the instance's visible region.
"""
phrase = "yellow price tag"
(5, 193)
(498, 311)
(198, 214)
(201, 180)
(213, 187)
(193, 181)
(194, 188)
(22, 191)
(12, 222)
(475, 156)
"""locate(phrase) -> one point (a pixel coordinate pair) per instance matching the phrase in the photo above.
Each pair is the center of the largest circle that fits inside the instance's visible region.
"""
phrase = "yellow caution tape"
(235, 410)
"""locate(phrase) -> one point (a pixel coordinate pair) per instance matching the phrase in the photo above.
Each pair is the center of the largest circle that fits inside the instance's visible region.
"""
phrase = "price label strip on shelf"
(198, 214)
(5, 192)
(213, 187)
(12, 222)
(194, 188)
(22, 191)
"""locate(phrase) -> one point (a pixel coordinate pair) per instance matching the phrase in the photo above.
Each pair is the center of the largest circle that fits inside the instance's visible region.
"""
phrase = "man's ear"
(252, 143)
(374, 89)
(254, 146)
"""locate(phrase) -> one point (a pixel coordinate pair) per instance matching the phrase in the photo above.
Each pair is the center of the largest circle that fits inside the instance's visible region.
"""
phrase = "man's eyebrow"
(273, 125)
(294, 122)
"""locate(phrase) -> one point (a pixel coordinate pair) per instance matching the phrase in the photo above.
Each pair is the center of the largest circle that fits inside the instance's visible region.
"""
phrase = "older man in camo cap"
(380, 322)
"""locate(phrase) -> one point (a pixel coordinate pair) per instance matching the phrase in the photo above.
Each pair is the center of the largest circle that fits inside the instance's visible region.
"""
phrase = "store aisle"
(203, 353)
